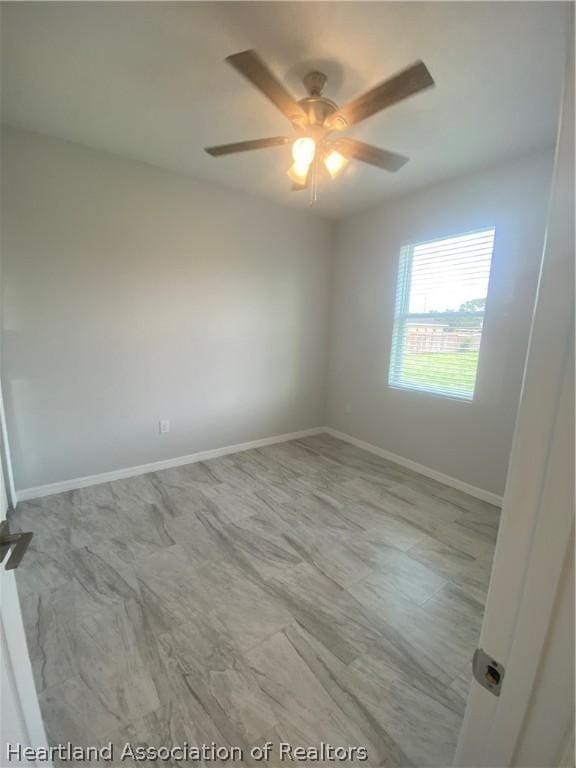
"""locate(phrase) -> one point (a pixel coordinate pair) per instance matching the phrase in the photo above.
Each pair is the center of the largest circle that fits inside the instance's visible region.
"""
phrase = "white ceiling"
(148, 81)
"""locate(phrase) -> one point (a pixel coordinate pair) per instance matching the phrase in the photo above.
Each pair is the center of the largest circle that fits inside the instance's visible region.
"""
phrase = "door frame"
(5, 459)
(17, 672)
(535, 540)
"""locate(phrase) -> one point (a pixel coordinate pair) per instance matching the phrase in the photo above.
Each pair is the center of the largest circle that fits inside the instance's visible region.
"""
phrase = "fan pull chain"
(314, 182)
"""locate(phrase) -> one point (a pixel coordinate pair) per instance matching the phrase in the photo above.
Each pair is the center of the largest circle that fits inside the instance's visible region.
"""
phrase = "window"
(440, 300)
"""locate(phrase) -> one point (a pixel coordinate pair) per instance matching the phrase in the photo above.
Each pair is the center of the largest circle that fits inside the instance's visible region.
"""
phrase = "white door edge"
(538, 511)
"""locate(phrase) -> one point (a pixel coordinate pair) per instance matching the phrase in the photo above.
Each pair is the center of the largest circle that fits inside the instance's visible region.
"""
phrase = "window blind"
(441, 295)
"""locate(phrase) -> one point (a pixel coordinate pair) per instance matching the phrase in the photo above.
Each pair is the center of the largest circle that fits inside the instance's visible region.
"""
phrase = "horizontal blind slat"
(440, 294)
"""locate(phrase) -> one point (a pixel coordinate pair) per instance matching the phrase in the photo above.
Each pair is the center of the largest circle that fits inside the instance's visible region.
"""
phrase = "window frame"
(402, 314)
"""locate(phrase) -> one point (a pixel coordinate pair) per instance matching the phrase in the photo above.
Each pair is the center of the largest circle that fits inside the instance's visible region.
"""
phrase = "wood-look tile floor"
(303, 592)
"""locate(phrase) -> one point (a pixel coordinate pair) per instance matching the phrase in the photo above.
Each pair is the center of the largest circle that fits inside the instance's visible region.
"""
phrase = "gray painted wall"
(132, 294)
(467, 440)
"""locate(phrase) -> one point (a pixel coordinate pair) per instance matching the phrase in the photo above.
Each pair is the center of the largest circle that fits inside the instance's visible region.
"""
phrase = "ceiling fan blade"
(391, 91)
(381, 158)
(249, 64)
(246, 146)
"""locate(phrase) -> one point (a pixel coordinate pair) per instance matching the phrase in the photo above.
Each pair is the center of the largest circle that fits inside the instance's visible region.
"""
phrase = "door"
(20, 717)
(529, 625)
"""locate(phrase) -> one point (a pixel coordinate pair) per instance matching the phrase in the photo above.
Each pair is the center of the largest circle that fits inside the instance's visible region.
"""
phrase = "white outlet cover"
(164, 426)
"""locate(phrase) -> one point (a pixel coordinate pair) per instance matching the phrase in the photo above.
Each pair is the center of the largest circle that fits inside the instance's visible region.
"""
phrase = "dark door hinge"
(17, 542)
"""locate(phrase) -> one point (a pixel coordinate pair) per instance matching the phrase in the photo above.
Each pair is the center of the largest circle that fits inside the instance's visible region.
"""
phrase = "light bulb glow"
(303, 151)
(335, 163)
(298, 172)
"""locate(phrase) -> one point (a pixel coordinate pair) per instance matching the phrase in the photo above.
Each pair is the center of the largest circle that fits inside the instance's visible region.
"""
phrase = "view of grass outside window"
(439, 314)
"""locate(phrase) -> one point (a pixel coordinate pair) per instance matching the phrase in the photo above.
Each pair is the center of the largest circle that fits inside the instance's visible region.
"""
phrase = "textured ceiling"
(148, 81)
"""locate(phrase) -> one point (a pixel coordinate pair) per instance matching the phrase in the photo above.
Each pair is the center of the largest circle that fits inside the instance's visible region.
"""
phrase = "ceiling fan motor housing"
(317, 107)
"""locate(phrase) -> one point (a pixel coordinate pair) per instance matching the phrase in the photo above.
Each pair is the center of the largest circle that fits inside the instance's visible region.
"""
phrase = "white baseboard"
(119, 474)
(471, 490)
(155, 466)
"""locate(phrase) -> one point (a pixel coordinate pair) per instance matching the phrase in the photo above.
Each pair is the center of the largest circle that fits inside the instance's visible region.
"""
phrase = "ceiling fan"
(316, 119)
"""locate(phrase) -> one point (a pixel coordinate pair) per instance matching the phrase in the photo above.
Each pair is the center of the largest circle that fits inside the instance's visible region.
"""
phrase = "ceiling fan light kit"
(335, 162)
(316, 119)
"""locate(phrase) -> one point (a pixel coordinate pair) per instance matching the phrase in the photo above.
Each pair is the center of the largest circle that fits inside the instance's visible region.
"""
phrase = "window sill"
(434, 392)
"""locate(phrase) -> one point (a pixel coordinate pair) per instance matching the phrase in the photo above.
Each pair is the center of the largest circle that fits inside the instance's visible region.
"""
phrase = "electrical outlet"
(347, 408)
(164, 426)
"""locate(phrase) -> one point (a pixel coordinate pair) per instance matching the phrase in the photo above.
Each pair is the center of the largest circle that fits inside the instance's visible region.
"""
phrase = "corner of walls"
(330, 310)
(321, 335)
(143, 295)
(425, 429)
